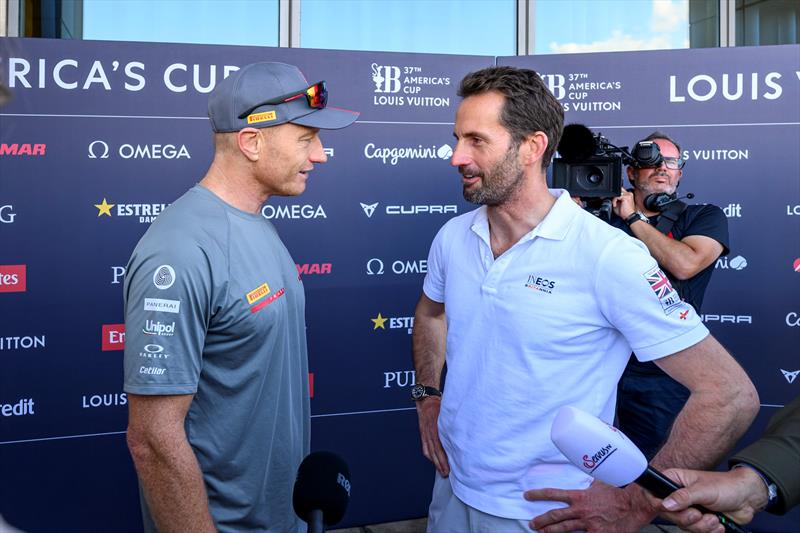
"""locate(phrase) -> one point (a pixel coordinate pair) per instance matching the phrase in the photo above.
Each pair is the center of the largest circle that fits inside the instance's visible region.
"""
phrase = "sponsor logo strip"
(257, 293)
(165, 306)
(266, 116)
(259, 306)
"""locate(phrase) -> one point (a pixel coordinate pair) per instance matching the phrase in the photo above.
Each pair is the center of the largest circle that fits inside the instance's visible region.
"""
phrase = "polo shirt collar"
(555, 225)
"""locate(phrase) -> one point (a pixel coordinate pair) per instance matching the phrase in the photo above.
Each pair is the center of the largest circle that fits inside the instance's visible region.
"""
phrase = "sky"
(480, 27)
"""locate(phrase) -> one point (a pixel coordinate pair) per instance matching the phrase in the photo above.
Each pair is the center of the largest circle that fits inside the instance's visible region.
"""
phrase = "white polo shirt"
(550, 322)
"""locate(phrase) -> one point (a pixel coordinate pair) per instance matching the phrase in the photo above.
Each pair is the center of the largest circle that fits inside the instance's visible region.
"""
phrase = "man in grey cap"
(216, 365)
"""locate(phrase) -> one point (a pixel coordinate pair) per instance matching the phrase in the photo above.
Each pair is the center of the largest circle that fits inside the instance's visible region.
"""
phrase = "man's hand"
(428, 413)
(739, 494)
(598, 509)
(624, 204)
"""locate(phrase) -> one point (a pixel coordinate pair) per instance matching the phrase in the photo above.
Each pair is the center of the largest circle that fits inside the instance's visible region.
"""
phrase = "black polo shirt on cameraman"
(706, 220)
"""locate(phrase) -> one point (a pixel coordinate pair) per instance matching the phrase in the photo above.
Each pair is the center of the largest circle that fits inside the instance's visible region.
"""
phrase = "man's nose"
(459, 157)
(318, 154)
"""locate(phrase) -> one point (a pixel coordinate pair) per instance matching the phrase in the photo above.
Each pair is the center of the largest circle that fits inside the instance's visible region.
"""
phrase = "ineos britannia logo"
(7, 214)
(164, 277)
(100, 150)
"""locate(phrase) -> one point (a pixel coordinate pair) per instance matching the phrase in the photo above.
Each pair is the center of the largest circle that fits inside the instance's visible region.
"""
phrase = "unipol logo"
(790, 376)
(369, 209)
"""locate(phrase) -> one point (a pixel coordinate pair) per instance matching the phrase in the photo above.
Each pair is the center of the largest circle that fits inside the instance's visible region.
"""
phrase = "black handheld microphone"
(657, 201)
(605, 453)
(322, 490)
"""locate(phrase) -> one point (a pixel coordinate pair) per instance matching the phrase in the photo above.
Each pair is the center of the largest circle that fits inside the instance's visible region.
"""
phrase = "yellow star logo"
(379, 322)
(104, 208)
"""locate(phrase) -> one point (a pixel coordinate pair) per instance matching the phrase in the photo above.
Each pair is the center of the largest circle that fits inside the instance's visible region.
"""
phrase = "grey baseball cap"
(267, 94)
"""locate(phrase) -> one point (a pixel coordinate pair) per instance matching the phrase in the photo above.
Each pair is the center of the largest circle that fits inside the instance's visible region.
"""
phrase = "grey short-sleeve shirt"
(214, 307)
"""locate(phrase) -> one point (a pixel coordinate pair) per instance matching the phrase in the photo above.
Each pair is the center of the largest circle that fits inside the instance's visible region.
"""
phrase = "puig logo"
(99, 150)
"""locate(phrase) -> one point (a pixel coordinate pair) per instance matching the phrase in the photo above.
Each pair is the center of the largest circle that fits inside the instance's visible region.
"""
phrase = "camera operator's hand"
(624, 204)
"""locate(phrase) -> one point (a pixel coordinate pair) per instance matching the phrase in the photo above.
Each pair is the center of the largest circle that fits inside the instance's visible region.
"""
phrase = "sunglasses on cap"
(316, 98)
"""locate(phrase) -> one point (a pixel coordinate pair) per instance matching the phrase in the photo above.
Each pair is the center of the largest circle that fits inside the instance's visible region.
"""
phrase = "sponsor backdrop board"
(736, 114)
(100, 137)
(97, 140)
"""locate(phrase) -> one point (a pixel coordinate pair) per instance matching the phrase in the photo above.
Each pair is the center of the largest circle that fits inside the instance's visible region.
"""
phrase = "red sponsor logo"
(13, 278)
(29, 149)
(310, 384)
(263, 303)
(684, 314)
(314, 268)
(113, 337)
(796, 265)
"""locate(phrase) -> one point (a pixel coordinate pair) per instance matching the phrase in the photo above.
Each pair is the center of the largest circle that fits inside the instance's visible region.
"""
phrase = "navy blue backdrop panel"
(97, 140)
(736, 114)
(101, 136)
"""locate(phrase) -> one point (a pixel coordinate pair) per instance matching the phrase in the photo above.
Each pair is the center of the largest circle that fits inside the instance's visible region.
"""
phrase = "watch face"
(417, 392)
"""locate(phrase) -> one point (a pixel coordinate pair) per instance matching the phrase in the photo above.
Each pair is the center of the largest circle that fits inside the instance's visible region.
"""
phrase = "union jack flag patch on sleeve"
(667, 296)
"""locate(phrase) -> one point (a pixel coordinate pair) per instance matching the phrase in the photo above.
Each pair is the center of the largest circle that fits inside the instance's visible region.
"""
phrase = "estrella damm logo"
(257, 293)
(266, 116)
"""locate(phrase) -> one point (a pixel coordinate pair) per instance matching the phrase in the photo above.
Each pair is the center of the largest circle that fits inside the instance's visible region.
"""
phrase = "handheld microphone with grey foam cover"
(605, 453)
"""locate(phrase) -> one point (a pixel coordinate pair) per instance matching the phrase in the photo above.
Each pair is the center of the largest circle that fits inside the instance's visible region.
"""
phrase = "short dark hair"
(529, 105)
(658, 134)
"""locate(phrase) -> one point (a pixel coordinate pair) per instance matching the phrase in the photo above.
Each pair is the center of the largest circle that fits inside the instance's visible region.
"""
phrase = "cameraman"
(686, 241)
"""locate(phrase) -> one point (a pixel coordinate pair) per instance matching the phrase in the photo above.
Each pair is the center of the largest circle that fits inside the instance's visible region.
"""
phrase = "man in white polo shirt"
(535, 304)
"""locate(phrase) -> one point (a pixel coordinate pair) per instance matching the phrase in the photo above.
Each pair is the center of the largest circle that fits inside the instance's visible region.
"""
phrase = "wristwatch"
(636, 215)
(772, 488)
(419, 392)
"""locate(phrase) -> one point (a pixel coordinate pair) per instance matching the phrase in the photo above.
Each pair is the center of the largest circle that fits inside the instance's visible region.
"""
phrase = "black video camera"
(590, 167)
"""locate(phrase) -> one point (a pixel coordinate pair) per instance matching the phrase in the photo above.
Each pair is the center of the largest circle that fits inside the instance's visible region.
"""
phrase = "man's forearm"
(705, 430)
(174, 488)
(428, 348)
(673, 255)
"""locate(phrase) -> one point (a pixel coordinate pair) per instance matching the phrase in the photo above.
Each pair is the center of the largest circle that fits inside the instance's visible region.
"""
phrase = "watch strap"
(636, 215)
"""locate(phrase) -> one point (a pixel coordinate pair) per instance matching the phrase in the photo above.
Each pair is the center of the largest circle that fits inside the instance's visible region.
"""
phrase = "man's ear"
(631, 175)
(533, 147)
(249, 141)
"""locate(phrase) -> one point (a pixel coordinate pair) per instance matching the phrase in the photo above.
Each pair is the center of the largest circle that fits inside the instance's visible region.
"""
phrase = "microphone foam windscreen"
(577, 143)
(323, 483)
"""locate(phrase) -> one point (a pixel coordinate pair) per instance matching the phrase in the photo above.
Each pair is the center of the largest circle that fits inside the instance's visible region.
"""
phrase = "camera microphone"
(577, 143)
(322, 490)
(605, 453)
(657, 201)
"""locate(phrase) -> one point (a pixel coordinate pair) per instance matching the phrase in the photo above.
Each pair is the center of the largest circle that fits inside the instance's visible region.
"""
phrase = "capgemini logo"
(445, 152)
